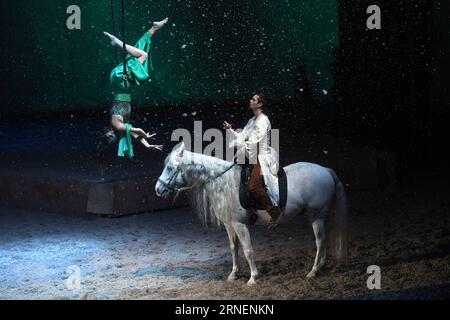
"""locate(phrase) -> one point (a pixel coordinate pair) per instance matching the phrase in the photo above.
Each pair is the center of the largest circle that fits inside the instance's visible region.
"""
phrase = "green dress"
(125, 144)
(136, 71)
(136, 74)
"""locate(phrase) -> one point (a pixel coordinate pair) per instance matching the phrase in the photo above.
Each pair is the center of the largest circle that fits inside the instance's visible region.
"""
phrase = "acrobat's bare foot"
(158, 25)
(114, 40)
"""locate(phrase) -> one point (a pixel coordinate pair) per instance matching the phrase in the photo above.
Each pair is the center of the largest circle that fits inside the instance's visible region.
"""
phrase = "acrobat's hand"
(150, 136)
(156, 146)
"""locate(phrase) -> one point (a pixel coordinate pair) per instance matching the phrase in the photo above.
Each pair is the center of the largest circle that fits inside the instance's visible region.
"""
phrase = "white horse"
(214, 185)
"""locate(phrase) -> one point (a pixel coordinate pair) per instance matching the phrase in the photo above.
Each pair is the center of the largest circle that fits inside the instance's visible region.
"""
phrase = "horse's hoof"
(251, 282)
(311, 275)
(231, 277)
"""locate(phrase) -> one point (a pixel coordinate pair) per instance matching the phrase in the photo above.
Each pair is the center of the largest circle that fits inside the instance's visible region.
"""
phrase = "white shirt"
(254, 141)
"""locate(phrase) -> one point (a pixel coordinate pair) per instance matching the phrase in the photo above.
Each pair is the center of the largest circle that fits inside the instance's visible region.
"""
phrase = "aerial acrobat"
(133, 70)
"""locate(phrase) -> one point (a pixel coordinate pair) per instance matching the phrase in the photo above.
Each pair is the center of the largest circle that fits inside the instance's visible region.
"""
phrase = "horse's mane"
(214, 199)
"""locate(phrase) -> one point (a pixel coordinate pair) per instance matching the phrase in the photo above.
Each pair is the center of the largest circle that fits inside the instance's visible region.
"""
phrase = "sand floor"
(170, 255)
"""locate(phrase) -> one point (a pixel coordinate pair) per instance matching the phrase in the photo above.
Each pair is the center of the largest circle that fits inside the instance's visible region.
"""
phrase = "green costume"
(136, 71)
(125, 145)
(136, 74)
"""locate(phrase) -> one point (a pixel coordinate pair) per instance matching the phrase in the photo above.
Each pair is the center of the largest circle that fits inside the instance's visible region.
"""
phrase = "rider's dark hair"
(264, 103)
(262, 99)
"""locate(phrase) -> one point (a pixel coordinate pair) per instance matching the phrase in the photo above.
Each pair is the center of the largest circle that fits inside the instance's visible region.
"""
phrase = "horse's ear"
(181, 149)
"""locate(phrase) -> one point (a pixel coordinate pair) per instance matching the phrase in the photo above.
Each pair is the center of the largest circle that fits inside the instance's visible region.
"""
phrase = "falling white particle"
(325, 92)
(183, 46)
(184, 114)
(325, 151)
(194, 113)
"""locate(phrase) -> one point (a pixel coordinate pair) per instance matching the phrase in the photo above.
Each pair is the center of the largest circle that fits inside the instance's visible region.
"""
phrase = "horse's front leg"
(244, 237)
(234, 247)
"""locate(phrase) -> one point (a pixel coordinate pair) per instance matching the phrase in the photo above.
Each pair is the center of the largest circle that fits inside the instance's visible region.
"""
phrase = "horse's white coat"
(312, 189)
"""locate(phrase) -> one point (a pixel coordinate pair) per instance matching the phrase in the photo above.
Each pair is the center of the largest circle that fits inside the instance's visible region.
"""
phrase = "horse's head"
(171, 179)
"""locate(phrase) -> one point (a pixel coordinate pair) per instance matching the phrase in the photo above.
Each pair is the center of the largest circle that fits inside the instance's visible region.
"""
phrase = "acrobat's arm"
(119, 125)
(151, 146)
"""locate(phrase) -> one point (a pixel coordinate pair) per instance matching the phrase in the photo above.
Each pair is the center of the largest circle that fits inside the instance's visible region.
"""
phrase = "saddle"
(244, 195)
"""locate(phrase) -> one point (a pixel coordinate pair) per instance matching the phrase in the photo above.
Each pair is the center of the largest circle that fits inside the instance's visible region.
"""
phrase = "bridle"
(168, 185)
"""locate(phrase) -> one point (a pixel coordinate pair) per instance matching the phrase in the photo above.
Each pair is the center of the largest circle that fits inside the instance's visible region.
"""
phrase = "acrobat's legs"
(135, 52)
(157, 25)
(140, 50)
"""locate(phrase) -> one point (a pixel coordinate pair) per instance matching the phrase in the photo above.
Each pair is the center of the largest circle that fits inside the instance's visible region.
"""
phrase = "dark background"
(323, 71)
(342, 96)
(210, 50)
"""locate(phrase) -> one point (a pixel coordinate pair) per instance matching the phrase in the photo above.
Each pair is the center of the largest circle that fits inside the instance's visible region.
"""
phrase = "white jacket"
(254, 141)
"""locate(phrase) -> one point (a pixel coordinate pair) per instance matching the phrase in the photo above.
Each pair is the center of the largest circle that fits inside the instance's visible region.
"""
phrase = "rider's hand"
(226, 125)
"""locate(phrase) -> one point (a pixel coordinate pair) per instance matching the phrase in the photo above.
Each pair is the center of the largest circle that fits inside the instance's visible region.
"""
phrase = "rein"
(218, 176)
(179, 190)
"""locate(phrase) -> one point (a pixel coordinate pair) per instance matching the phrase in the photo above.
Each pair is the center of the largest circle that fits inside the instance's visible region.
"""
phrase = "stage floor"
(169, 255)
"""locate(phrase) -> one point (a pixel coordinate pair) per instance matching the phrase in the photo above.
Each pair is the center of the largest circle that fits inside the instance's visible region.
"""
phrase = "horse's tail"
(339, 220)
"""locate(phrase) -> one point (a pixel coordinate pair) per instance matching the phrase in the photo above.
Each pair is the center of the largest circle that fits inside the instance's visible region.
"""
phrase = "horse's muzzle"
(160, 192)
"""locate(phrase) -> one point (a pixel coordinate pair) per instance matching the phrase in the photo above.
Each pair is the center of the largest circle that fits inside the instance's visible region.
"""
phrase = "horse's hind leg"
(319, 233)
(234, 247)
(244, 237)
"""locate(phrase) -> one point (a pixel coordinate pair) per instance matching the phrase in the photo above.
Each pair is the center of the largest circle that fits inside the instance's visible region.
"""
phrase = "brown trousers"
(257, 189)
